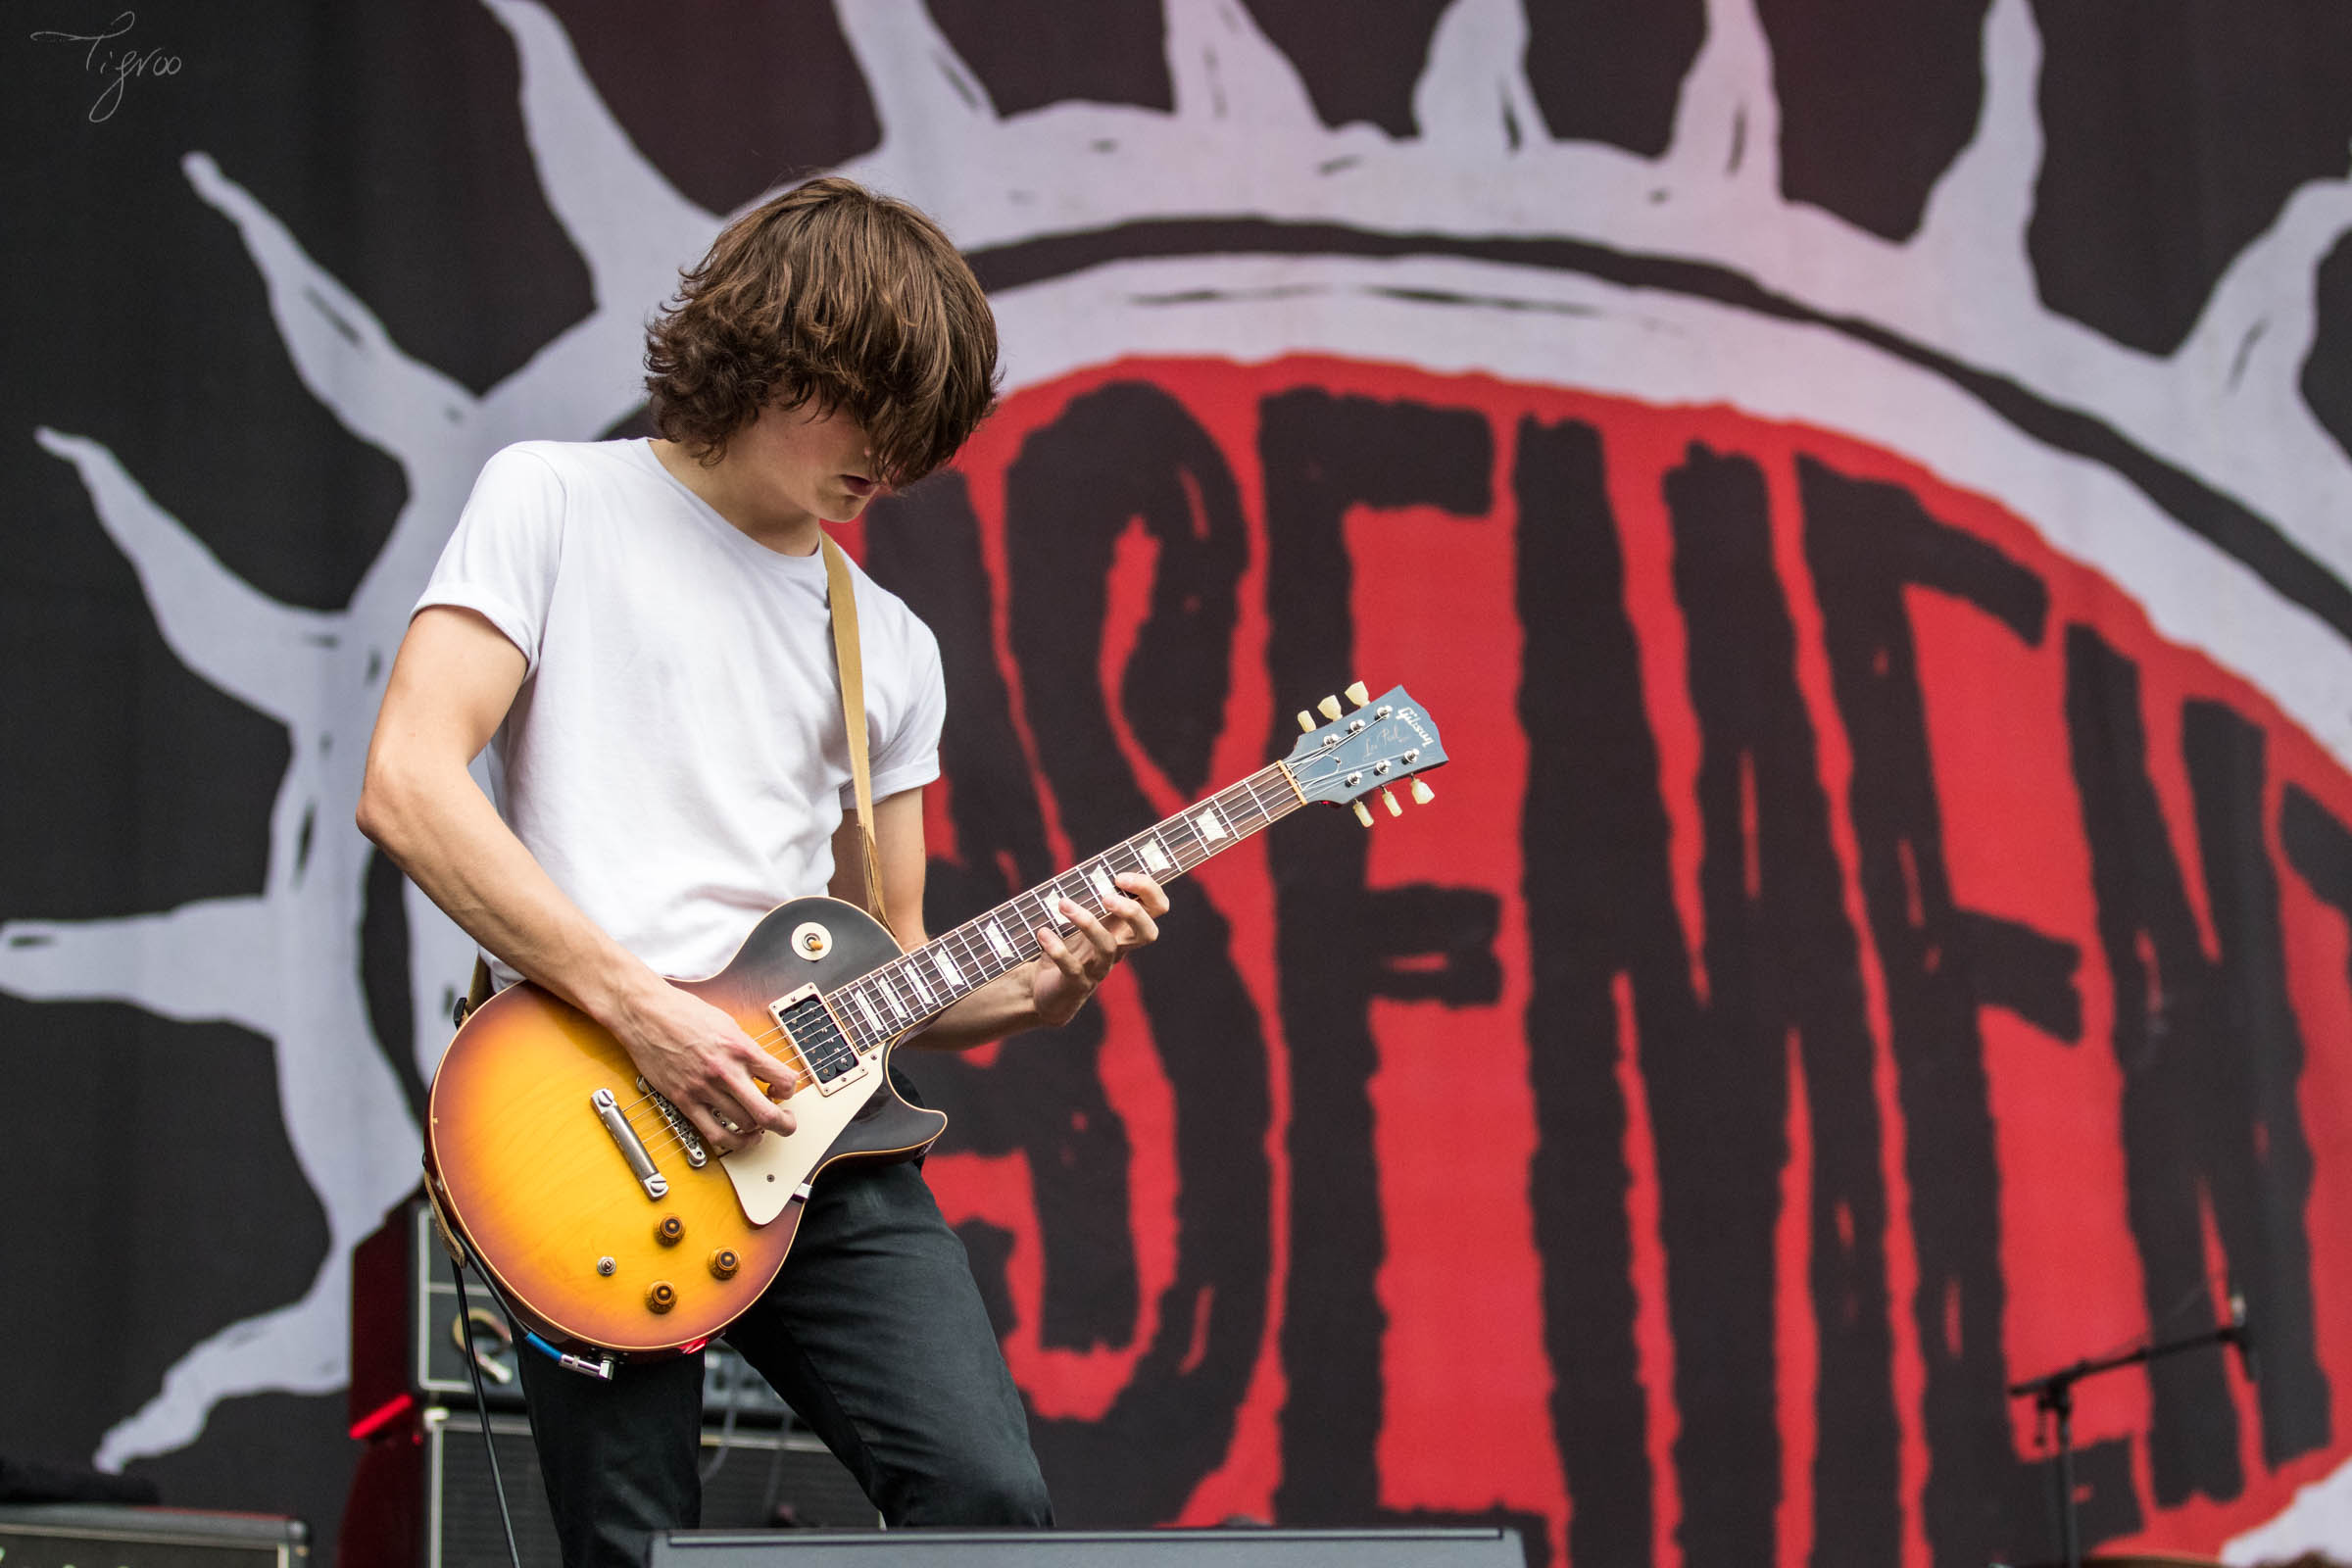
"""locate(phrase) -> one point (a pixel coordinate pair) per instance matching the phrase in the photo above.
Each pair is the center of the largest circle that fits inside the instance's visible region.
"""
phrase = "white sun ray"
(1223, 70)
(339, 349)
(100, 961)
(193, 595)
(1727, 123)
(1472, 96)
(1976, 218)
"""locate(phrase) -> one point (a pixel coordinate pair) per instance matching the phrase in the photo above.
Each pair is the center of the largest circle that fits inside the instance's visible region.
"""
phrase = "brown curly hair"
(830, 295)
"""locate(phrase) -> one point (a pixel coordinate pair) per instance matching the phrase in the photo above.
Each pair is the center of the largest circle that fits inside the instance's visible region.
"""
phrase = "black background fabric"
(151, 1195)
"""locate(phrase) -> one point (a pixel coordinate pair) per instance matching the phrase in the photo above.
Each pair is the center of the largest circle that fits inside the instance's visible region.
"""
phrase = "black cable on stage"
(482, 1403)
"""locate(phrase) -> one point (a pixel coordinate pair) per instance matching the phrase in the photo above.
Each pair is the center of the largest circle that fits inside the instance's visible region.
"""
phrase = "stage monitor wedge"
(1476, 1548)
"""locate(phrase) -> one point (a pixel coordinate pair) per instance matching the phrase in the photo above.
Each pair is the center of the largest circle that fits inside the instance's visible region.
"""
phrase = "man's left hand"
(1061, 981)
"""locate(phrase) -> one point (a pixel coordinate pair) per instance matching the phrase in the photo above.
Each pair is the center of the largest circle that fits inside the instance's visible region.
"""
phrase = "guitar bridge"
(831, 1057)
(689, 1141)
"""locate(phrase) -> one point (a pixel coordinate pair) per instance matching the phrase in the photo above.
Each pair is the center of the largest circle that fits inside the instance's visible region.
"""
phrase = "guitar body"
(526, 1168)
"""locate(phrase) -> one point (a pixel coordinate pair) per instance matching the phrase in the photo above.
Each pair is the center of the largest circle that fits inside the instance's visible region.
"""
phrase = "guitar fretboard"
(911, 989)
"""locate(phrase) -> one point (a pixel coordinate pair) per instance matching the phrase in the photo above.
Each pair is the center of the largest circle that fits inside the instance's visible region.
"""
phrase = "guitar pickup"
(807, 1020)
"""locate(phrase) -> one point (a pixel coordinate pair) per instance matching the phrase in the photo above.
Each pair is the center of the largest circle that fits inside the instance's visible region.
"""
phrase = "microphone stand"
(2054, 1394)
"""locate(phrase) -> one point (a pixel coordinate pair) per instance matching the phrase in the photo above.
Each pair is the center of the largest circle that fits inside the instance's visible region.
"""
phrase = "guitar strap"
(844, 600)
(842, 597)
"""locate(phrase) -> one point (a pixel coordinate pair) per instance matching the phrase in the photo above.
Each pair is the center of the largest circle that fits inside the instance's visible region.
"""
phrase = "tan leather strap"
(843, 600)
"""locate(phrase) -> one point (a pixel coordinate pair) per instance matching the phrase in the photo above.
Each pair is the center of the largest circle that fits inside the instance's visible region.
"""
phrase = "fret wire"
(888, 995)
(959, 952)
(941, 986)
(932, 952)
(1199, 848)
(984, 952)
(970, 960)
(1257, 809)
(921, 989)
(901, 1001)
(910, 1000)
(859, 989)
(844, 1005)
(1239, 806)
(926, 974)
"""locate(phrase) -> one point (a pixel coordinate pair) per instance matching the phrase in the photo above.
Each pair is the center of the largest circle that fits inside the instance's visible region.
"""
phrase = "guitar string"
(962, 936)
(965, 939)
(1175, 829)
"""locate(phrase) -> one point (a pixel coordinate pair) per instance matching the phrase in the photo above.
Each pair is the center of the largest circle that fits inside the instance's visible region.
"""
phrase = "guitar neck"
(913, 989)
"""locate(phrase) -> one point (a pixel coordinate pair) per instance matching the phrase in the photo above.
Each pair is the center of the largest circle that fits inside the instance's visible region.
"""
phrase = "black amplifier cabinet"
(423, 1496)
(407, 1345)
(59, 1534)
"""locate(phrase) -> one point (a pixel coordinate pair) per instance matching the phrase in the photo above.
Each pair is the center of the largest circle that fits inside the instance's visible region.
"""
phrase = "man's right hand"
(703, 1063)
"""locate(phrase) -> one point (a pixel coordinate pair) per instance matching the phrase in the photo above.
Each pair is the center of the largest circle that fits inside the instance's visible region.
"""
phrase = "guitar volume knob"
(669, 1229)
(724, 1262)
(661, 1297)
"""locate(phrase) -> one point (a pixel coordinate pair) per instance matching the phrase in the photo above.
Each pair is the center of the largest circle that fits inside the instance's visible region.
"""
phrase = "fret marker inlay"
(1211, 825)
(1156, 859)
(946, 971)
(996, 940)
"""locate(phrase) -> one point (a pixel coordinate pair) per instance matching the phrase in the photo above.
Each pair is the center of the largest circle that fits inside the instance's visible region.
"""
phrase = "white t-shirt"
(675, 757)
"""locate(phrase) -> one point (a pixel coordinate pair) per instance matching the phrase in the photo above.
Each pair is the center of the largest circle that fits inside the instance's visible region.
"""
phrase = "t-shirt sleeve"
(501, 560)
(908, 755)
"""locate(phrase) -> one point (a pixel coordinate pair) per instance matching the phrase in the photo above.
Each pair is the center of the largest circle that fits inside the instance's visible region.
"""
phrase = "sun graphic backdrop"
(1862, 488)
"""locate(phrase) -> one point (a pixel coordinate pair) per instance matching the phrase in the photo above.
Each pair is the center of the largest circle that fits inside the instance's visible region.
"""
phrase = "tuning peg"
(1329, 708)
(1306, 720)
(1356, 693)
(1422, 793)
(1363, 812)
(1390, 801)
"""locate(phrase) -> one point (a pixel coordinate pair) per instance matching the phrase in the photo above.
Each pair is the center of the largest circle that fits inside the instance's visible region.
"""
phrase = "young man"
(639, 632)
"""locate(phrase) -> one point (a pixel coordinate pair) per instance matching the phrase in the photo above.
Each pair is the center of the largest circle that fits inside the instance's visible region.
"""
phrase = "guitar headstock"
(1385, 741)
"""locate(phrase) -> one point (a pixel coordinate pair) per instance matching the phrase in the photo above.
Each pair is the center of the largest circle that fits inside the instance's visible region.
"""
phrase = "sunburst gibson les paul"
(595, 1208)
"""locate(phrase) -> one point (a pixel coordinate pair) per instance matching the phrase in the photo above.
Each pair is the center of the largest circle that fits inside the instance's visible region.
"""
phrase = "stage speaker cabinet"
(63, 1535)
(425, 1499)
(405, 1338)
(1482, 1547)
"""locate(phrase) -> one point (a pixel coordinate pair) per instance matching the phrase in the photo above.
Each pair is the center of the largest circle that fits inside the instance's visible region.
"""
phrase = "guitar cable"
(481, 1402)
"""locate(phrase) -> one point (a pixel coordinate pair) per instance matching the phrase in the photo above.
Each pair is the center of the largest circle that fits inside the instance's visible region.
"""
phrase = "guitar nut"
(725, 1263)
(661, 1297)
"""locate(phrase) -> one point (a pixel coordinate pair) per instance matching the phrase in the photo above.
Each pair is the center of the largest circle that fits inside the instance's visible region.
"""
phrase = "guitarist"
(638, 631)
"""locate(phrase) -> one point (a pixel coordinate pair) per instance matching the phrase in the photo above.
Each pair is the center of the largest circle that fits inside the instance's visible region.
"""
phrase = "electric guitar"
(595, 1208)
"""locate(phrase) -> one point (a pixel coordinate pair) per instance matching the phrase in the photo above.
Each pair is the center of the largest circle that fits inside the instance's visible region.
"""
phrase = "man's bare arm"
(1045, 991)
(450, 688)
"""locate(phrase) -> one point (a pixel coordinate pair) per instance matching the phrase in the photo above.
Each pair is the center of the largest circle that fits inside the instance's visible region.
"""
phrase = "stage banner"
(1862, 487)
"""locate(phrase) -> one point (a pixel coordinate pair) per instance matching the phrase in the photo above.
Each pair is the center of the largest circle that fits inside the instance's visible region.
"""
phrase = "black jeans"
(874, 1333)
